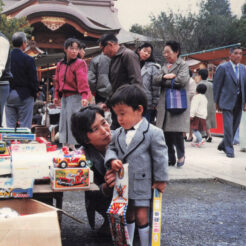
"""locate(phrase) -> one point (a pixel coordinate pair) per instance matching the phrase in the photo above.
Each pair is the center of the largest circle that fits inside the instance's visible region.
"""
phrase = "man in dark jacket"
(5, 73)
(124, 67)
(19, 105)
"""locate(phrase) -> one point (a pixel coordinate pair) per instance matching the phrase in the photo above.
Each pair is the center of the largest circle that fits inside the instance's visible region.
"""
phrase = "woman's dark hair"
(69, 42)
(131, 95)
(151, 58)
(81, 122)
(175, 46)
(201, 88)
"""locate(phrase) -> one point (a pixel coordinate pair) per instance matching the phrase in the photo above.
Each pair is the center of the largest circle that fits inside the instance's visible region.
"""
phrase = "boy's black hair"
(81, 122)
(201, 88)
(105, 38)
(131, 95)
(203, 73)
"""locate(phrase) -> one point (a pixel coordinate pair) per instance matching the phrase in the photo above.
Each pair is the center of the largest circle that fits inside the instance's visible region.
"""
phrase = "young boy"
(143, 146)
(198, 114)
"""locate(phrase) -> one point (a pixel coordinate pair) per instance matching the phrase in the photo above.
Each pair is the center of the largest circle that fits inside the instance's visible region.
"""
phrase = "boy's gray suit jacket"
(147, 157)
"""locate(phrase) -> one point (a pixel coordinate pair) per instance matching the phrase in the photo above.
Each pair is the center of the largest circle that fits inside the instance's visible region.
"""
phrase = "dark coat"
(24, 73)
(124, 68)
(96, 200)
(226, 86)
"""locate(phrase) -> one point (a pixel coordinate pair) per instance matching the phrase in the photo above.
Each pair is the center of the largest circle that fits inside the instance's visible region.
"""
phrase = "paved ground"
(198, 209)
(203, 213)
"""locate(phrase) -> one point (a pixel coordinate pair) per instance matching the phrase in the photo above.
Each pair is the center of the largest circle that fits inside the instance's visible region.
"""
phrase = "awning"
(215, 55)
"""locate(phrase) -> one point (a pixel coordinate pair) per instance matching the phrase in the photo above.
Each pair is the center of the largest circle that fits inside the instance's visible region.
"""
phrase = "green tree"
(215, 24)
(136, 28)
(9, 26)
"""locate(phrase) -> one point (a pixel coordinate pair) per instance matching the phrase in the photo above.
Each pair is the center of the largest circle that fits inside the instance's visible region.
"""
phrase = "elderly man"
(19, 105)
(229, 96)
(5, 73)
(124, 66)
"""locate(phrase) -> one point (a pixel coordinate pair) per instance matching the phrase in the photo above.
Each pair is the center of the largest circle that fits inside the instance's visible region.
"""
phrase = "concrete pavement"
(209, 163)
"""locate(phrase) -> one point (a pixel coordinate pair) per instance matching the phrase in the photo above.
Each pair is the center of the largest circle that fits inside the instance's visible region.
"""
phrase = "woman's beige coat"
(165, 120)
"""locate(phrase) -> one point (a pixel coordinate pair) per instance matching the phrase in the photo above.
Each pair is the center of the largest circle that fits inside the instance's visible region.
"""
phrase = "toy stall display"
(23, 158)
(70, 170)
(117, 209)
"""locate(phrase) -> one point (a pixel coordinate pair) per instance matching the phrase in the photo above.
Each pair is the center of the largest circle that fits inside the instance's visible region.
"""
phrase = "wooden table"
(45, 193)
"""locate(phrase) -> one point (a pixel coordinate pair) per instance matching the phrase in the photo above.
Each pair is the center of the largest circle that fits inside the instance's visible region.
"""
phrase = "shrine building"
(54, 21)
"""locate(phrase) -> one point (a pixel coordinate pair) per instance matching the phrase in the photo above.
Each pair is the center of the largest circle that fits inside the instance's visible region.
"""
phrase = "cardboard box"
(38, 224)
(70, 178)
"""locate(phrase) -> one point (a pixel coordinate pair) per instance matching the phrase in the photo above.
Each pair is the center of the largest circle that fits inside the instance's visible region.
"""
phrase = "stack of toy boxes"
(70, 171)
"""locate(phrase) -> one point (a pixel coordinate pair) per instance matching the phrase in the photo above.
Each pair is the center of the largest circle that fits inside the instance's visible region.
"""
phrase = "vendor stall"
(30, 167)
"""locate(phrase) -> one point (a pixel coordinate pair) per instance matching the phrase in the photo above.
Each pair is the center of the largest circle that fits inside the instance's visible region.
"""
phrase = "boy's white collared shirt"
(130, 134)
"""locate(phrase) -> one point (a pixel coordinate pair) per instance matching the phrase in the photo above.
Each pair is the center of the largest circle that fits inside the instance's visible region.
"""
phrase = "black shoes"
(171, 163)
(180, 164)
(221, 148)
(209, 140)
(230, 155)
(189, 139)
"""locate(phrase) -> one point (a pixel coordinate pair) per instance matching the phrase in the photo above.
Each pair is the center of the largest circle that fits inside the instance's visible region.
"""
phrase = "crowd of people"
(131, 123)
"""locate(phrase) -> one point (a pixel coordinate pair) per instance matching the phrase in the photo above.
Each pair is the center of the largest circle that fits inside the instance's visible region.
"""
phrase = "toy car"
(70, 159)
(72, 179)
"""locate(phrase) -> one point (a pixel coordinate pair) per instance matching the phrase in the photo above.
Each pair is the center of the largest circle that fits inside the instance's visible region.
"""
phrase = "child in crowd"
(198, 114)
(143, 147)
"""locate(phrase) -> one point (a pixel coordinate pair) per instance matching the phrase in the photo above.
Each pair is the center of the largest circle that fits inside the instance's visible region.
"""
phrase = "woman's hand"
(56, 101)
(84, 102)
(116, 165)
(169, 76)
(160, 186)
(110, 178)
